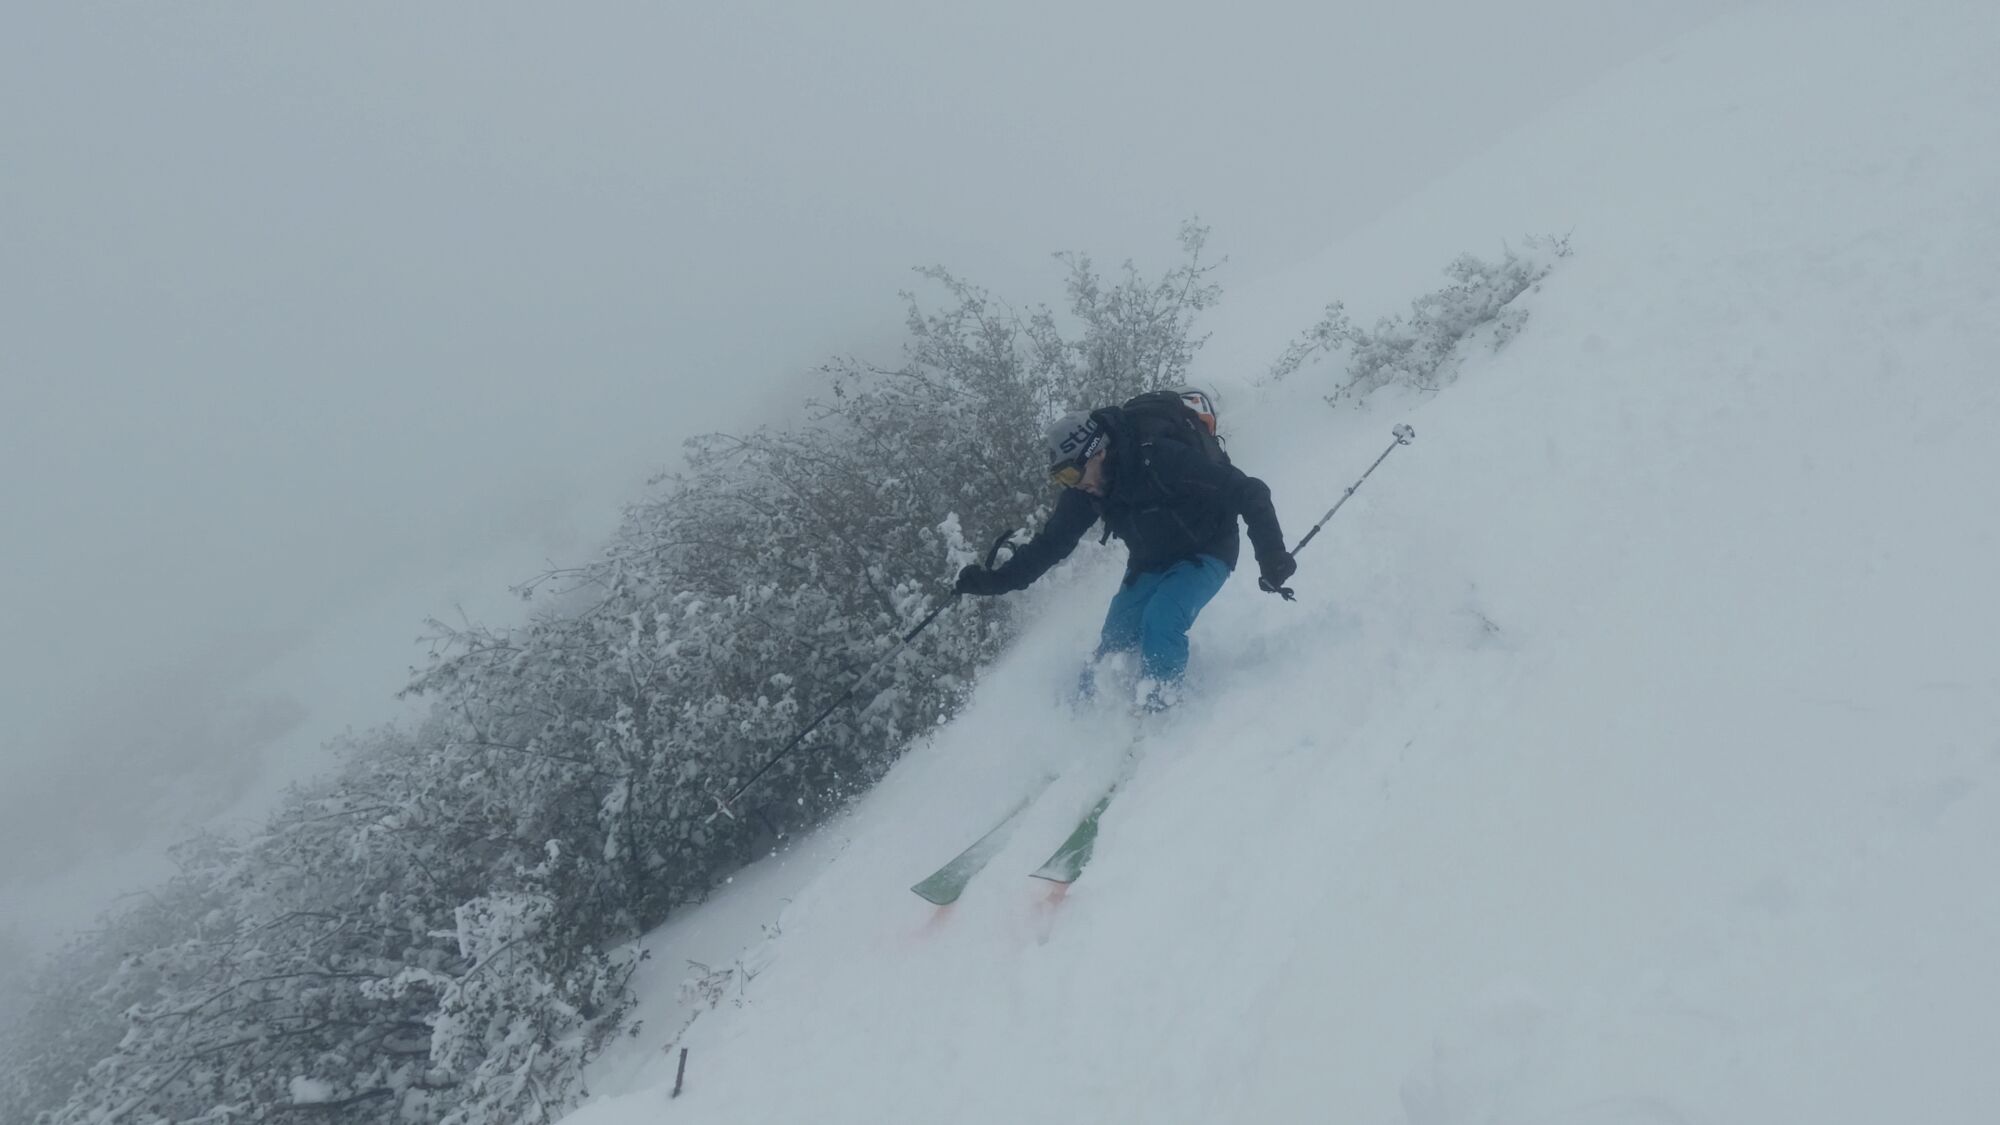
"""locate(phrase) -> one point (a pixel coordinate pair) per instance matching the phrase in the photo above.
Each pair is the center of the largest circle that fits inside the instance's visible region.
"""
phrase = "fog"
(316, 321)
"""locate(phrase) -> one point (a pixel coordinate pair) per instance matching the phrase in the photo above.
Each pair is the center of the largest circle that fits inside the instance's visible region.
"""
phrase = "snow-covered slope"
(1631, 754)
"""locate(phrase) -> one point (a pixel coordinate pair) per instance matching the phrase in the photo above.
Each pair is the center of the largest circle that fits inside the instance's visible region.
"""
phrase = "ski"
(944, 885)
(1067, 862)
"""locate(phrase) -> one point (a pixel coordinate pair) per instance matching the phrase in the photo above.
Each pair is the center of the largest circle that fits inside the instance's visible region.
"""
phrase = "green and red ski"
(1067, 862)
(945, 884)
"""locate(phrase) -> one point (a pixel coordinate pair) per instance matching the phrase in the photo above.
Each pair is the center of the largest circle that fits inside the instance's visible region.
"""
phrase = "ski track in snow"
(1629, 758)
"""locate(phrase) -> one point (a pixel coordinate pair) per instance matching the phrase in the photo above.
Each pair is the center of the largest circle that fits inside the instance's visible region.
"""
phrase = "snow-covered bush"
(70, 1012)
(525, 1005)
(1423, 349)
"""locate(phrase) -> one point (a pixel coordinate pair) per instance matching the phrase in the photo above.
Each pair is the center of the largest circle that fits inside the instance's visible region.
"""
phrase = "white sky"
(314, 321)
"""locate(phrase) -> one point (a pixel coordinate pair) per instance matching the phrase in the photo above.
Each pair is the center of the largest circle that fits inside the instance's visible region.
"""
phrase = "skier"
(1162, 485)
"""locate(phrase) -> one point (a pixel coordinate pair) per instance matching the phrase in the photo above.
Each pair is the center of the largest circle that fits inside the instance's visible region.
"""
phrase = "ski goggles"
(1066, 474)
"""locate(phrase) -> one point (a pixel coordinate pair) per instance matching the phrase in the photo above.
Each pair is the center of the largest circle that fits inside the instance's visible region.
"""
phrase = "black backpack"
(1184, 416)
(1187, 417)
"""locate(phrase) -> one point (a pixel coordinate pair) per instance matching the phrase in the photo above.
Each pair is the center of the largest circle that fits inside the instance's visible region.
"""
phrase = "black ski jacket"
(1166, 502)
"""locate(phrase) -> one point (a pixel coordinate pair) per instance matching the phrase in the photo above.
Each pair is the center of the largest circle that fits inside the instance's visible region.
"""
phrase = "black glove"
(1273, 572)
(978, 581)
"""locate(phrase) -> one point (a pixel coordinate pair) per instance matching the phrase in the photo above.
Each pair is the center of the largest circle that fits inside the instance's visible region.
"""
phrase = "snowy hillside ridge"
(1630, 754)
(436, 928)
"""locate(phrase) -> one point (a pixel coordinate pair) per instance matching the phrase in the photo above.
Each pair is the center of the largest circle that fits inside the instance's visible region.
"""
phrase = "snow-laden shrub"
(70, 1012)
(340, 960)
(509, 1027)
(235, 981)
(1422, 350)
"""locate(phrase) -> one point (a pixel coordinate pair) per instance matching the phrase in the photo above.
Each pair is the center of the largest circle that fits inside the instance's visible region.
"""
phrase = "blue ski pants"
(1154, 611)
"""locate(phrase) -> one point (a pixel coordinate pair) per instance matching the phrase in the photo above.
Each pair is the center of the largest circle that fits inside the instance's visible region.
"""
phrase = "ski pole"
(722, 803)
(1404, 435)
